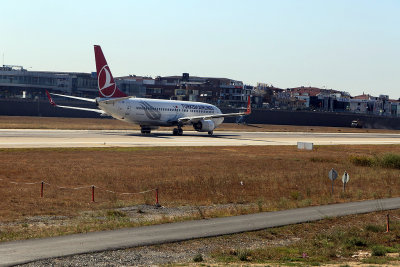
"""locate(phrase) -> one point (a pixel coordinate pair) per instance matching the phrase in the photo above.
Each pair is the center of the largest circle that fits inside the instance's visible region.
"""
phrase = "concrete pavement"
(15, 138)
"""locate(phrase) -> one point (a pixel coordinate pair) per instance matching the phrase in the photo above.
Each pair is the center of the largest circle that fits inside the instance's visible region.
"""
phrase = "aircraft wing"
(69, 107)
(209, 117)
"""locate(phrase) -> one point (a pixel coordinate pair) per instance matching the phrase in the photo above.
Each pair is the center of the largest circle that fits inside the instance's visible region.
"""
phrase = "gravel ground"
(138, 213)
(175, 253)
(150, 212)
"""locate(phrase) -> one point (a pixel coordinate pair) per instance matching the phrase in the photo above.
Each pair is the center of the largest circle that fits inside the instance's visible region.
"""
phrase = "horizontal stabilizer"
(69, 107)
(84, 109)
(76, 97)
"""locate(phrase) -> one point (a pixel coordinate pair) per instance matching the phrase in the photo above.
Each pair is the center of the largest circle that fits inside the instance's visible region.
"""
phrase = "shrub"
(362, 160)
(296, 195)
(378, 250)
(260, 205)
(322, 159)
(198, 258)
(355, 242)
(243, 255)
(374, 228)
(390, 160)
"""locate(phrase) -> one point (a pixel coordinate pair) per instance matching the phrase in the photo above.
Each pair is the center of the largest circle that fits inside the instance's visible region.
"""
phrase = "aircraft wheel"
(175, 131)
(180, 131)
(210, 133)
(145, 131)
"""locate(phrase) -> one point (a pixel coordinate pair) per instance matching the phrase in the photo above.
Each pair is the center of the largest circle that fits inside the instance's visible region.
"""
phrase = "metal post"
(92, 193)
(344, 187)
(332, 188)
(157, 203)
(41, 189)
(387, 223)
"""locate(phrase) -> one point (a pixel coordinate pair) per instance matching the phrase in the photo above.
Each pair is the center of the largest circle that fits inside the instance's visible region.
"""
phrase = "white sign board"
(305, 145)
(345, 178)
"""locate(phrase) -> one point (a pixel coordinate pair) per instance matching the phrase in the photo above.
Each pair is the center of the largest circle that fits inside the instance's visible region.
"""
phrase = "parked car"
(356, 124)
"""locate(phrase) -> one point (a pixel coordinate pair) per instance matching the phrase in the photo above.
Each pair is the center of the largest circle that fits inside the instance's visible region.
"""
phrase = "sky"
(347, 45)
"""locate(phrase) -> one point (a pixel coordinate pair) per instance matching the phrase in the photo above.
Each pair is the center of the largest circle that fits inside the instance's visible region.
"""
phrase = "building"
(17, 82)
(218, 91)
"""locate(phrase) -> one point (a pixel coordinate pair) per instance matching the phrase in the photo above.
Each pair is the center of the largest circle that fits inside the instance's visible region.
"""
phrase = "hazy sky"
(348, 45)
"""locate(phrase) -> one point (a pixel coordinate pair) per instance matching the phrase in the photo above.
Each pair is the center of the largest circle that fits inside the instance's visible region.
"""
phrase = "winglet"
(248, 111)
(50, 99)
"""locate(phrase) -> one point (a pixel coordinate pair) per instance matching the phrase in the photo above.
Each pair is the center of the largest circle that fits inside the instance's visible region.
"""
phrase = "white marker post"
(332, 176)
(345, 180)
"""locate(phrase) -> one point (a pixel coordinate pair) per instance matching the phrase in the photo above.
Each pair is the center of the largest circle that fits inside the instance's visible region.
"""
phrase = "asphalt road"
(12, 138)
(19, 252)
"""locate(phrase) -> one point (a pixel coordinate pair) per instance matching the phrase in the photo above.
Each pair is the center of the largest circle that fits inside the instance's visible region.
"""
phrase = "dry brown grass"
(333, 240)
(273, 177)
(15, 122)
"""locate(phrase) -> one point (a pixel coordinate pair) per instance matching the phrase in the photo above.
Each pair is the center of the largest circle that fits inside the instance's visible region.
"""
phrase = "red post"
(41, 189)
(157, 204)
(387, 223)
(92, 193)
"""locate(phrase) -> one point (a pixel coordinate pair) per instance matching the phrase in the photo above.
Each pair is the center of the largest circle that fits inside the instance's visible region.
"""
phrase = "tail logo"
(107, 86)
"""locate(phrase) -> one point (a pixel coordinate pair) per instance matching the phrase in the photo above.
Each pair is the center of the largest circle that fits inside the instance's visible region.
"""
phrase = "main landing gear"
(145, 130)
(177, 131)
(210, 133)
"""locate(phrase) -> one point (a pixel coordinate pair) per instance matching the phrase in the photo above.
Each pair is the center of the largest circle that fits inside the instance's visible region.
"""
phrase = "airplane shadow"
(254, 126)
(244, 139)
(169, 135)
(218, 135)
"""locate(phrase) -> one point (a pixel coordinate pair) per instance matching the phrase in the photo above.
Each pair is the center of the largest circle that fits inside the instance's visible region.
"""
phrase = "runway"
(26, 138)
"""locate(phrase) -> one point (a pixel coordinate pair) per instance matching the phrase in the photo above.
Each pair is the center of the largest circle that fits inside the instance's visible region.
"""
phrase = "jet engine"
(204, 126)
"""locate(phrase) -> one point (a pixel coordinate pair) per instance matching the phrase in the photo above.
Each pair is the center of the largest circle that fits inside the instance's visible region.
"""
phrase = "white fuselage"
(157, 112)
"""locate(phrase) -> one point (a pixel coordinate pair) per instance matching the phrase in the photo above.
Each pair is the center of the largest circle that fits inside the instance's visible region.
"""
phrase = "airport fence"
(92, 188)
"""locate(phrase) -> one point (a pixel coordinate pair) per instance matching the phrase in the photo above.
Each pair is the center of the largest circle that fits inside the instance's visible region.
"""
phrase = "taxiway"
(27, 138)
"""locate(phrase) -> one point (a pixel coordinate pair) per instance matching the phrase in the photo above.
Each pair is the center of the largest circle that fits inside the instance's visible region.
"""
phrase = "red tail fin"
(248, 111)
(105, 80)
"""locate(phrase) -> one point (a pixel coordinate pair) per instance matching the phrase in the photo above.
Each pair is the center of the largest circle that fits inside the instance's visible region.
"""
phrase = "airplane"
(149, 113)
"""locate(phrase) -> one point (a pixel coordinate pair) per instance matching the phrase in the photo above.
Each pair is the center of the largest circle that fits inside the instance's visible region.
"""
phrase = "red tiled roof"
(362, 97)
